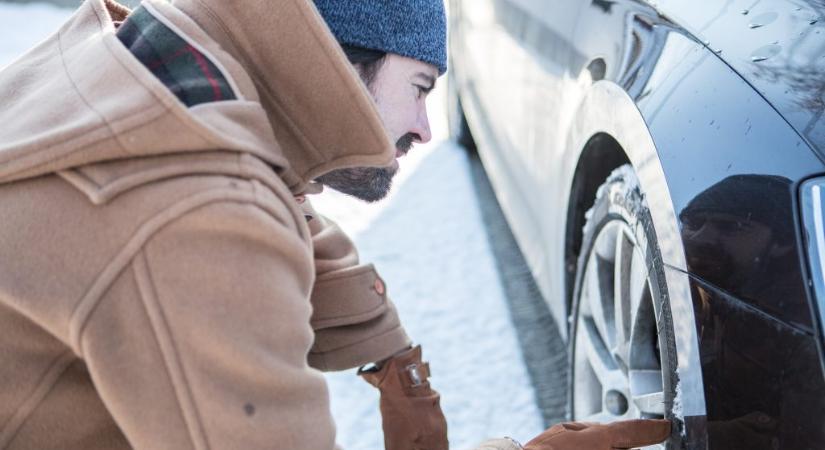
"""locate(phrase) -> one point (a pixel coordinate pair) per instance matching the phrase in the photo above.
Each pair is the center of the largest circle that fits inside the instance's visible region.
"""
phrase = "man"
(166, 283)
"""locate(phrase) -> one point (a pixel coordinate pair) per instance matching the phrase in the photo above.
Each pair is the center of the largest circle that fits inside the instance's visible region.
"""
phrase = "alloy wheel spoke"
(643, 332)
(622, 294)
(652, 404)
(647, 392)
(600, 359)
(599, 294)
(637, 285)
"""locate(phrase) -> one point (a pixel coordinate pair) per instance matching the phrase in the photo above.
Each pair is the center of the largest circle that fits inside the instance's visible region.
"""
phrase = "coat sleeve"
(354, 320)
(201, 342)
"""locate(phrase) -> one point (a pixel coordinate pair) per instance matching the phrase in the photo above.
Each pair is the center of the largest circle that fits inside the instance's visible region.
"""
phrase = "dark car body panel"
(732, 164)
(734, 138)
(788, 34)
(756, 366)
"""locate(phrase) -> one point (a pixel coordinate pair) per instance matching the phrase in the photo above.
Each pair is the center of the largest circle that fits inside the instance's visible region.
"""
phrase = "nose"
(422, 126)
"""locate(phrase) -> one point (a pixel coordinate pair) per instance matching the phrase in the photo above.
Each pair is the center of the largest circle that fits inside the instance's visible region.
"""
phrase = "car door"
(516, 56)
(518, 50)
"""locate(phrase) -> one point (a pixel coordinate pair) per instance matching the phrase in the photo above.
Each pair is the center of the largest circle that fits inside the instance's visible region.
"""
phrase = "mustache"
(406, 142)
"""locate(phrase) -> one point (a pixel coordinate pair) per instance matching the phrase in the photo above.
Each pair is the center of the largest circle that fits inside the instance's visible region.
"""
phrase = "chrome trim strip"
(819, 230)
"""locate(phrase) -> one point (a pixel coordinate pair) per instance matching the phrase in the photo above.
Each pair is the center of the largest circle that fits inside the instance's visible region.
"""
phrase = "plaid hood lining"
(184, 67)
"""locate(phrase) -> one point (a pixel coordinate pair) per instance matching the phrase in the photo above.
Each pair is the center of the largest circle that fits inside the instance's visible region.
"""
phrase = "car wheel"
(457, 123)
(622, 347)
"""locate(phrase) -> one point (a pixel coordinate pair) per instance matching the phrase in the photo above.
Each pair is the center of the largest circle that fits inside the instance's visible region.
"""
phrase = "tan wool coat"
(161, 287)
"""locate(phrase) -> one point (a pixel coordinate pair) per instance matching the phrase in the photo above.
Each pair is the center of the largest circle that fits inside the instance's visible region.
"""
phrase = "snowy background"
(428, 241)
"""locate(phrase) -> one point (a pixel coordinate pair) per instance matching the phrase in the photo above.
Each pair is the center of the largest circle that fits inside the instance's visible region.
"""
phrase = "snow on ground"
(22, 26)
(428, 242)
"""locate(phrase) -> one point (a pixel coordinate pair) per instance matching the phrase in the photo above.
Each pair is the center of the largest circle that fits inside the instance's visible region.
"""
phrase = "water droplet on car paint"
(712, 122)
(707, 43)
(763, 53)
(718, 51)
(745, 12)
(813, 21)
(763, 19)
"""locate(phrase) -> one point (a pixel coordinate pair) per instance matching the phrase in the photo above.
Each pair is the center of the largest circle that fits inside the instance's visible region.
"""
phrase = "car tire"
(622, 359)
(456, 121)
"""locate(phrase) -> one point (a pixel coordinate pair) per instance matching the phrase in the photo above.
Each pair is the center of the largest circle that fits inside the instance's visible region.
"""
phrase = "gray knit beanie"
(413, 28)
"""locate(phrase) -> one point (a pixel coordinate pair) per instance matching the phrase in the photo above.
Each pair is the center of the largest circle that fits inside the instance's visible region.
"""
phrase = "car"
(662, 166)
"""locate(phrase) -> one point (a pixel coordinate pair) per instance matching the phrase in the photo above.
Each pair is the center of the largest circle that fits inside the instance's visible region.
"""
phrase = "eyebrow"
(428, 78)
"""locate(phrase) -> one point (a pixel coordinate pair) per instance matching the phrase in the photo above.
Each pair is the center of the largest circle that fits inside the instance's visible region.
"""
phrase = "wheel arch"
(608, 131)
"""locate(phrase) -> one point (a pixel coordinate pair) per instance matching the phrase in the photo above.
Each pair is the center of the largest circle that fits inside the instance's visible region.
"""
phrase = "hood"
(80, 97)
(320, 111)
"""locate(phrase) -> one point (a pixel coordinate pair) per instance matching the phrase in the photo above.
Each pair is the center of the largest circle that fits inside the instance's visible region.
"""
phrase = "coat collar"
(321, 113)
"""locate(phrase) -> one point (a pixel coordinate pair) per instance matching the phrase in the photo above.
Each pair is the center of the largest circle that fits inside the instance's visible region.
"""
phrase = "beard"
(366, 183)
(370, 184)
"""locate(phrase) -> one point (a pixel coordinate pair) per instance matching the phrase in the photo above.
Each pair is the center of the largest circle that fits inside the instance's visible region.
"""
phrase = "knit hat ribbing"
(413, 28)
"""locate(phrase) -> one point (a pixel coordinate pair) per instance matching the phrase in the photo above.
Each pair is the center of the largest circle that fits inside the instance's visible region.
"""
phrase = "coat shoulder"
(71, 231)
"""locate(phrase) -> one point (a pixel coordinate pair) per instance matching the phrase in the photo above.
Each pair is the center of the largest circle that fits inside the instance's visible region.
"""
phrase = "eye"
(422, 90)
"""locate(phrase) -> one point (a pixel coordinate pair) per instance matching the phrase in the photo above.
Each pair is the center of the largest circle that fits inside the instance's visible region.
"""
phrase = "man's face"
(400, 90)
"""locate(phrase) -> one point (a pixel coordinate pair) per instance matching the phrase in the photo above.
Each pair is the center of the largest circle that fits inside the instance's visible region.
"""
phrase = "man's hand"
(593, 436)
(410, 410)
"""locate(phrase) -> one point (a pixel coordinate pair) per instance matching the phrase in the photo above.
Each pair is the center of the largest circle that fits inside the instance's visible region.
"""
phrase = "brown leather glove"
(594, 436)
(410, 411)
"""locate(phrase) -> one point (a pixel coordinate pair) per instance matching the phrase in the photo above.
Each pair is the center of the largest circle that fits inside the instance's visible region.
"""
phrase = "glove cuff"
(408, 368)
